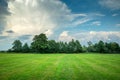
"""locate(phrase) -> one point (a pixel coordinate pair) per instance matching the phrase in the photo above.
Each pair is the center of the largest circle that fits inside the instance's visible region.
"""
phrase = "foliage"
(41, 44)
(104, 47)
(25, 48)
(17, 46)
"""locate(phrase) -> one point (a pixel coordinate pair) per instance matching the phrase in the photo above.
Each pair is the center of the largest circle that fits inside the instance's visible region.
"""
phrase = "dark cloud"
(3, 13)
(4, 7)
(24, 37)
(10, 31)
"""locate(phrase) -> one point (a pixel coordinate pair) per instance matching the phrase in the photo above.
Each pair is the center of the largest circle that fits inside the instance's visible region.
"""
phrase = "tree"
(106, 47)
(78, 47)
(52, 46)
(90, 47)
(25, 48)
(71, 46)
(66, 47)
(101, 47)
(17, 46)
(39, 43)
(61, 46)
(84, 48)
(74, 46)
(114, 47)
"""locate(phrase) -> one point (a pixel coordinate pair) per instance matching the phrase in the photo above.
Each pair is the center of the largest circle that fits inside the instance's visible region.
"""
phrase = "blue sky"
(88, 7)
(62, 20)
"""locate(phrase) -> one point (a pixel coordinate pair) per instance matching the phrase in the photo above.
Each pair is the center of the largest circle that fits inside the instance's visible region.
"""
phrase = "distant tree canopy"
(41, 44)
(17, 46)
(104, 47)
(25, 48)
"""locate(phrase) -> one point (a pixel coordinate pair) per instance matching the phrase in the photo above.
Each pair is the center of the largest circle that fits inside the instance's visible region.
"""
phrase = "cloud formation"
(93, 36)
(96, 23)
(64, 36)
(115, 14)
(30, 17)
(81, 21)
(3, 13)
(39, 16)
(110, 4)
(118, 25)
(36, 16)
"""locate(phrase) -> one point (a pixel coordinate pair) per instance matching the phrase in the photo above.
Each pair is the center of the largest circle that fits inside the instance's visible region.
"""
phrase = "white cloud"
(101, 35)
(48, 33)
(37, 16)
(118, 25)
(31, 17)
(81, 21)
(96, 23)
(98, 14)
(87, 18)
(111, 4)
(93, 36)
(115, 14)
(80, 15)
(64, 36)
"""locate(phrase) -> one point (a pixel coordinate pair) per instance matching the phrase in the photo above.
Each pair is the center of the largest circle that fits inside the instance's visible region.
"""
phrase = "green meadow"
(18, 66)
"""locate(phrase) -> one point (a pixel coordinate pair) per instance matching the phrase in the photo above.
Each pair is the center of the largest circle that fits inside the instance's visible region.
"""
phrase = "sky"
(61, 20)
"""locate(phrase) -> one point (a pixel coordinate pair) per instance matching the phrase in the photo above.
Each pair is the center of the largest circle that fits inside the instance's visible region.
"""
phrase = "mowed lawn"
(59, 66)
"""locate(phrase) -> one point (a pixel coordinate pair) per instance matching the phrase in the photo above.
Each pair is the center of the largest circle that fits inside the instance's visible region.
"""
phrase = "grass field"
(59, 66)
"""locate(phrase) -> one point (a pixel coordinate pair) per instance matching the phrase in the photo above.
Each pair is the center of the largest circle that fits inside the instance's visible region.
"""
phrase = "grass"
(59, 66)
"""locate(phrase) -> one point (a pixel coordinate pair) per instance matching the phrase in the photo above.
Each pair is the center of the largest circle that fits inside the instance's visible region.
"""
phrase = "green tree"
(107, 48)
(52, 46)
(90, 47)
(61, 46)
(84, 48)
(39, 43)
(17, 46)
(78, 47)
(25, 48)
(71, 46)
(114, 47)
(101, 47)
(66, 47)
(74, 46)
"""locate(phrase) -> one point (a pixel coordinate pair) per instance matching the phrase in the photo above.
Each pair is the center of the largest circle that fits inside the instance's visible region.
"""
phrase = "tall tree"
(78, 47)
(73, 46)
(61, 46)
(25, 48)
(114, 47)
(101, 46)
(66, 47)
(39, 43)
(52, 46)
(90, 47)
(17, 46)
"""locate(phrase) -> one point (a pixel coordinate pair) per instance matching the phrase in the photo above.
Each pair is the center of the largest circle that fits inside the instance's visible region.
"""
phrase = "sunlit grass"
(59, 67)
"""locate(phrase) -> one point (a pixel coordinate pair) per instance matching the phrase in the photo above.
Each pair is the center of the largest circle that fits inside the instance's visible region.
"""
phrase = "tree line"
(41, 44)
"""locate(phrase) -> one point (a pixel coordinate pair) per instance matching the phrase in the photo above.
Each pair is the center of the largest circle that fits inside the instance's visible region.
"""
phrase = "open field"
(59, 66)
